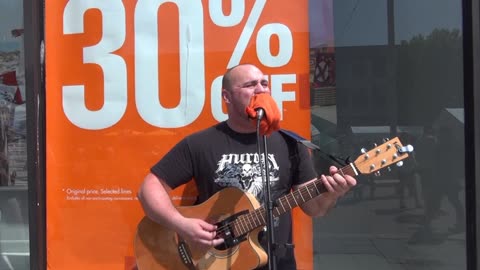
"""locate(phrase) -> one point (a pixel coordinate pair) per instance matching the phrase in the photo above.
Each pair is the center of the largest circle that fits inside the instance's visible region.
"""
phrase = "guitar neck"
(284, 204)
(305, 193)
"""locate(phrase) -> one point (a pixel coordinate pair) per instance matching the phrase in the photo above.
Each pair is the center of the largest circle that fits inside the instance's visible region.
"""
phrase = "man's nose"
(259, 88)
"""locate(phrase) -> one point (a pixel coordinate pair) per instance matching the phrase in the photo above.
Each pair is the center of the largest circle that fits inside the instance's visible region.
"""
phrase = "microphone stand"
(268, 203)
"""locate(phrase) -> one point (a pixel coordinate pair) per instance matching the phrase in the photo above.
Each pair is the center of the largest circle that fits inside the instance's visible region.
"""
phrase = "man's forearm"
(156, 203)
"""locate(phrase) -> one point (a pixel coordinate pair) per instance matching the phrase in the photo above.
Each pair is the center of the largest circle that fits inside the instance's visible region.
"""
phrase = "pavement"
(376, 234)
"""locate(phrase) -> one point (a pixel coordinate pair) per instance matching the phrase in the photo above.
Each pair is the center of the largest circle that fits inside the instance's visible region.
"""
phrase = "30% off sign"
(191, 56)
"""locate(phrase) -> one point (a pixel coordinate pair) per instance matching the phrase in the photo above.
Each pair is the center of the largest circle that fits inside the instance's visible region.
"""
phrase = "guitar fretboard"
(257, 218)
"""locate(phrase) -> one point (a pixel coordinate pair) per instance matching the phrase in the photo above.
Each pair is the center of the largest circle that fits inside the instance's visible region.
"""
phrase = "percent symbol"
(263, 36)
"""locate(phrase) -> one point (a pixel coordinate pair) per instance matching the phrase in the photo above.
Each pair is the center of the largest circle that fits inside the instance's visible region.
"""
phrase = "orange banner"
(126, 80)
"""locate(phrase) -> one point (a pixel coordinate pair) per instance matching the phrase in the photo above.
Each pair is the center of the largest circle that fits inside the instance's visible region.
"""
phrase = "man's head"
(239, 84)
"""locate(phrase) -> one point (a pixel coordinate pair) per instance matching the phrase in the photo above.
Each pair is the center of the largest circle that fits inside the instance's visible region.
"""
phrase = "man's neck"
(241, 125)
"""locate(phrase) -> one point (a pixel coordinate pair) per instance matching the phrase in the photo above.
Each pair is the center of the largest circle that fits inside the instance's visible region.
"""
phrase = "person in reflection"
(407, 175)
(450, 157)
(438, 153)
(13, 177)
(225, 155)
(426, 167)
(3, 177)
(3, 170)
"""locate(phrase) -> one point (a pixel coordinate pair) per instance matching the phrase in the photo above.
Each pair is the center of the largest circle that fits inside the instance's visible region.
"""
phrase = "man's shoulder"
(206, 134)
(213, 129)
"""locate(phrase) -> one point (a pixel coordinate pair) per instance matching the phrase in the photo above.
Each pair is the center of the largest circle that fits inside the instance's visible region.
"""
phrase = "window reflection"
(14, 240)
(414, 215)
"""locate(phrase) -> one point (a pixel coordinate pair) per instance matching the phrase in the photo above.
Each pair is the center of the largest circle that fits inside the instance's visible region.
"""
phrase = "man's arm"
(155, 200)
(336, 185)
(154, 197)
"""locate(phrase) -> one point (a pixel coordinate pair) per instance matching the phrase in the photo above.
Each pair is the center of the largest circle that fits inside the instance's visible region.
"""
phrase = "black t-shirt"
(219, 157)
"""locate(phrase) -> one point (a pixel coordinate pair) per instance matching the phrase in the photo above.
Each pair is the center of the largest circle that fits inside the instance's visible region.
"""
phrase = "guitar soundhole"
(229, 244)
(221, 247)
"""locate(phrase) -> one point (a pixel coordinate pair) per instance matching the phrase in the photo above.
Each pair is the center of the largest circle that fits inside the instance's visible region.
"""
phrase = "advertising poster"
(125, 81)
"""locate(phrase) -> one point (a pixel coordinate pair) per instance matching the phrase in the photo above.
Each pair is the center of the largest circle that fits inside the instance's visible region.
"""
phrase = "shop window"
(14, 239)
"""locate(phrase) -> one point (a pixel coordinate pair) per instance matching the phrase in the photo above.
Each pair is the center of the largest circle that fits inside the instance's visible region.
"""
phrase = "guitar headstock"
(390, 152)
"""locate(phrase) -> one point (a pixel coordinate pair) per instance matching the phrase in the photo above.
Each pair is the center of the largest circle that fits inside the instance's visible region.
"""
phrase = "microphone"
(264, 110)
(260, 113)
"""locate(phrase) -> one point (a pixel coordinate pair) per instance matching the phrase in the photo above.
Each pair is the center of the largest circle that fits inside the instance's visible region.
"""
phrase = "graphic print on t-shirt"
(243, 171)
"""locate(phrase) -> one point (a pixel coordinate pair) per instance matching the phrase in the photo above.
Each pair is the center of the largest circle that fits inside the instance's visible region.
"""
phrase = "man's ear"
(226, 96)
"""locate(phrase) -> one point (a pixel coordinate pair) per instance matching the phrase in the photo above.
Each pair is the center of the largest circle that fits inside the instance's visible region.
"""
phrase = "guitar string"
(347, 170)
(244, 220)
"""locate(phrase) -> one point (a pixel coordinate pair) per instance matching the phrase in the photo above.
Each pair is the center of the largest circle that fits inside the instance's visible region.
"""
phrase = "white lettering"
(220, 19)
(216, 100)
(277, 81)
(113, 66)
(192, 67)
(285, 44)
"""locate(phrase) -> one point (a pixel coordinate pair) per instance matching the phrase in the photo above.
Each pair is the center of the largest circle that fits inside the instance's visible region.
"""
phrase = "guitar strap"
(291, 139)
(299, 139)
(312, 146)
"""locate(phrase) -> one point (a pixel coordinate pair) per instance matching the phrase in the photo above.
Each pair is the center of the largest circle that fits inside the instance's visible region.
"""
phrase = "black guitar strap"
(299, 139)
(292, 150)
(309, 144)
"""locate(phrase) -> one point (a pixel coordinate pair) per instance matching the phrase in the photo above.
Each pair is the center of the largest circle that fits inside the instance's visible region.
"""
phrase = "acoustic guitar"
(239, 218)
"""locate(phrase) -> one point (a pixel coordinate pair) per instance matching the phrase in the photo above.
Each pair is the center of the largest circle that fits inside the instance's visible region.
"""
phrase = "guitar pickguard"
(226, 231)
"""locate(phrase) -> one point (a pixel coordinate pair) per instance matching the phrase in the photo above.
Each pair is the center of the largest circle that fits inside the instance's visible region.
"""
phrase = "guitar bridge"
(185, 255)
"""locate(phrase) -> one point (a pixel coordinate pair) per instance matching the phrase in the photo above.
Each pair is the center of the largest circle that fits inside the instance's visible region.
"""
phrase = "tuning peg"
(364, 151)
(406, 149)
(375, 145)
(385, 140)
(377, 173)
(399, 164)
(389, 169)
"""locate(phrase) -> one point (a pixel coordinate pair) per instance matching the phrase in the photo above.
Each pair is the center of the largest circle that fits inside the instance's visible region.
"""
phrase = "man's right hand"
(155, 200)
(199, 233)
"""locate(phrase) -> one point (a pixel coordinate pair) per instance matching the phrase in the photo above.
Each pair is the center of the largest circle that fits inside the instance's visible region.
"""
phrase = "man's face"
(246, 81)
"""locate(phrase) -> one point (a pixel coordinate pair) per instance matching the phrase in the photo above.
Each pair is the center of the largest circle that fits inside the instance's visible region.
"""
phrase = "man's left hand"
(337, 184)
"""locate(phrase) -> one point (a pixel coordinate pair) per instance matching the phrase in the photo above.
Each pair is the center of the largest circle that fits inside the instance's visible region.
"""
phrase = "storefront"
(93, 93)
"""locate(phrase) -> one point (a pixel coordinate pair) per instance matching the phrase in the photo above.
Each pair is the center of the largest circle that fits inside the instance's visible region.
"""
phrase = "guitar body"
(157, 248)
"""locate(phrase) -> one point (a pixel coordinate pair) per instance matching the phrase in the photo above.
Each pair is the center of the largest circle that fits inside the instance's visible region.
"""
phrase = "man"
(224, 155)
